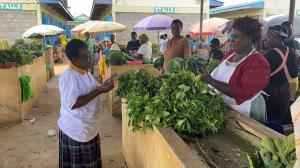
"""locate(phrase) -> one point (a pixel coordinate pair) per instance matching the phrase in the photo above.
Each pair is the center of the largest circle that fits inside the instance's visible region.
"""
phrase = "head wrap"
(279, 31)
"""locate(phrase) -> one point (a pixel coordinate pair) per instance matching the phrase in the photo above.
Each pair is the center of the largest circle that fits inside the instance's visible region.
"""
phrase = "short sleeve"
(69, 90)
(248, 81)
(142, 50)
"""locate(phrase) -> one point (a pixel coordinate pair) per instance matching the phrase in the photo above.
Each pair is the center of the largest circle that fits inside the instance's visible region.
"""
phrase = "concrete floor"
(27, 145)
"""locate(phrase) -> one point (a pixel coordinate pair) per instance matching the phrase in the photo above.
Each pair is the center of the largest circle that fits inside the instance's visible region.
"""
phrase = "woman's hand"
(206, 77)
(106, 87)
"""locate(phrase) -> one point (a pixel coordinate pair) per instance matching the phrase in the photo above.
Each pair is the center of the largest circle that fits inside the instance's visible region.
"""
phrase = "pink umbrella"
(209, 26)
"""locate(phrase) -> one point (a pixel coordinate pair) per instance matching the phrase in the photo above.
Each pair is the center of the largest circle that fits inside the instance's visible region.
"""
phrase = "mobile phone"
(111, 79)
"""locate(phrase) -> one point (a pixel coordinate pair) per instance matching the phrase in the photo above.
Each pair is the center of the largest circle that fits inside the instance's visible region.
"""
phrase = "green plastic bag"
(27, 92)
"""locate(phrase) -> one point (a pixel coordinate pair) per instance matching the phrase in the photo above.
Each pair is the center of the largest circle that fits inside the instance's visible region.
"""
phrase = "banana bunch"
(4, 45)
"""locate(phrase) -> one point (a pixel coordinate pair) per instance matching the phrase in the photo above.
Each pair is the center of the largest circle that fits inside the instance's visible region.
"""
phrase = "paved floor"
(27, 145)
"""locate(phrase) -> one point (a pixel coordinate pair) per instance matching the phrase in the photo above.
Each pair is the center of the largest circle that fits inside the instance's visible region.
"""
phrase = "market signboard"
(164, 10)
(10, 6)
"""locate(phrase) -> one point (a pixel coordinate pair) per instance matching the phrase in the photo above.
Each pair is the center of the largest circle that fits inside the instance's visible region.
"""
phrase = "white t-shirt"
(163, 45)
(79, 124)
(146, 51)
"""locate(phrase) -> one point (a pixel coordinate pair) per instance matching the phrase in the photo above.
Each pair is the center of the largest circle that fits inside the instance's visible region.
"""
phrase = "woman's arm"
(83, 100)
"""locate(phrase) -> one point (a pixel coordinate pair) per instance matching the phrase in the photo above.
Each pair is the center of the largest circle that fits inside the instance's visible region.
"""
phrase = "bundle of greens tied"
(27, 92)
(179, 100)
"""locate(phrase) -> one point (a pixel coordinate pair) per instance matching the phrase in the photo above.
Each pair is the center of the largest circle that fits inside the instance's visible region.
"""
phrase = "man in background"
(133, 45)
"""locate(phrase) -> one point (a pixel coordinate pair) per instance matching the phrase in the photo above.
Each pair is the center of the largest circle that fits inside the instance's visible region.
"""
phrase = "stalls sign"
(10, 6)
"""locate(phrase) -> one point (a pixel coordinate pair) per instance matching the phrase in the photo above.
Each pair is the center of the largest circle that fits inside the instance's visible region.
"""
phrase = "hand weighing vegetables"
(275, 152)
(178, 100)
(27, 92)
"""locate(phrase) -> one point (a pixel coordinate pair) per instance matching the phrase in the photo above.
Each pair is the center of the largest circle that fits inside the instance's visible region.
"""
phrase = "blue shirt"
(191, 41)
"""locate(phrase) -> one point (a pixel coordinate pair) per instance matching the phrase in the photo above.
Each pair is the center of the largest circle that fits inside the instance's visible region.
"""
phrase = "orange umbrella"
(209, 26)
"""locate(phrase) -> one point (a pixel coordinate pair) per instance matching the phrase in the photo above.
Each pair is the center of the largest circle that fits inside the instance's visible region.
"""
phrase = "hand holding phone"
(111, 79)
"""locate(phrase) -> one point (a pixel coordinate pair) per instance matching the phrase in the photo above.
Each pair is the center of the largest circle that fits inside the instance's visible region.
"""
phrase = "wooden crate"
(163, 147)
(12, 109)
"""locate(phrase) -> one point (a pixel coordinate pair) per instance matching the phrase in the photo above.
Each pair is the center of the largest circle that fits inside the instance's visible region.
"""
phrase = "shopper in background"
(133, 45)
(292, 43)
(283, 63)
(145, 50)
(162, 44)
(191, 42)
(215, 52)
(178, 46)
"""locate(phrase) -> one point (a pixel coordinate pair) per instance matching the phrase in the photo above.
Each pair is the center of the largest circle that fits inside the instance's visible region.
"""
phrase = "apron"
(223, 73)
(293, 82)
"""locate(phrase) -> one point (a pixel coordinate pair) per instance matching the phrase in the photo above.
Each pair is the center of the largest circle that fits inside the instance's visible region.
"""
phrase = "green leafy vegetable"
(178, 100)
(159, 62)
(275, 152)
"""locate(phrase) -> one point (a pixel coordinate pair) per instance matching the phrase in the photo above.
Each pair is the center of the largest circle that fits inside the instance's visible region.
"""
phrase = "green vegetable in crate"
(275, 152)
(188, 105)
(177, 100)
(27, 92)
(147, 61)
(159, 62)
(129, 57)
(178, 64)
(138, 82)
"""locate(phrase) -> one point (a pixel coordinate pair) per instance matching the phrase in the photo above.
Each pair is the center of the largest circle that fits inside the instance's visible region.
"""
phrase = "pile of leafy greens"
(178, 100)
(275, 152)
(189, 64)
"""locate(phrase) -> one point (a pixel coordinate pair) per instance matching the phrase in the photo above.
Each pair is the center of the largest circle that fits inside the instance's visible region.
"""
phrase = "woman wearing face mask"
(244, 72)
(283, 62)
(178, 46)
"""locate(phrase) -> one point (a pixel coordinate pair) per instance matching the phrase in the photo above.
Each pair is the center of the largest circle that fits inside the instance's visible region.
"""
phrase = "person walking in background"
(91, 43)
(133, 45)
(191, 42)
(178, 46)
(79, 142)
(283, 63)
(215, 52)
(162, 44)
(92, 50)
(145, 50)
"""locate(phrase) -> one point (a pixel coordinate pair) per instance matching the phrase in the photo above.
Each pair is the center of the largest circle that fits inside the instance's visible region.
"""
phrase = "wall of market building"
(130, 12)
(16, 16)
(266, 9)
